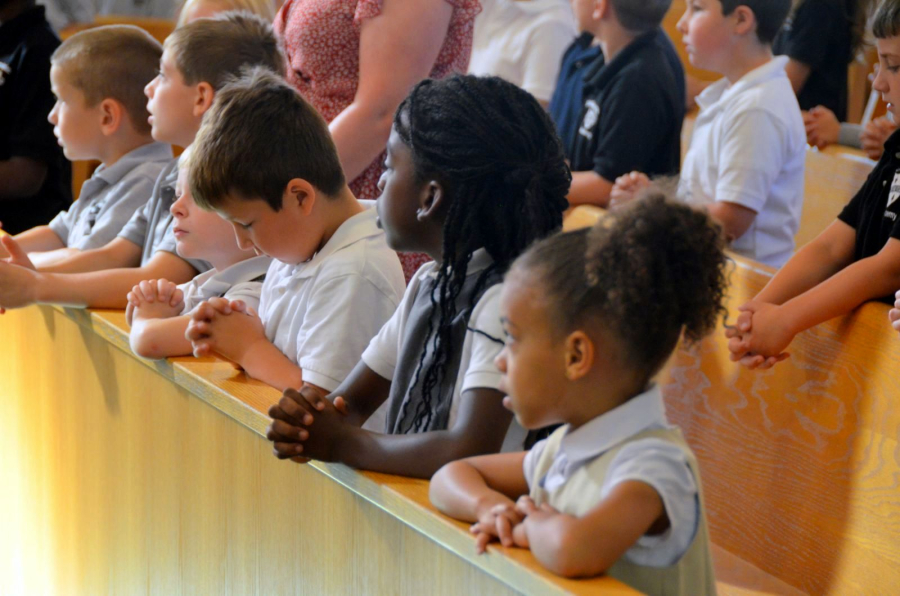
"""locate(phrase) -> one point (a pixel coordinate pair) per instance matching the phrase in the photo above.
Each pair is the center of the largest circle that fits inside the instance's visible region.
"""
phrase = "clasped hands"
(508, 523)
(759, 337)
(225, 327)
(307, 425)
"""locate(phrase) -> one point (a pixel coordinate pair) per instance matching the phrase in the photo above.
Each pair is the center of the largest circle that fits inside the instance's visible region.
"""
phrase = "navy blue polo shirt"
(875, 210)
(566, 103)
(26, 44)
(632, 112)
(819, 35)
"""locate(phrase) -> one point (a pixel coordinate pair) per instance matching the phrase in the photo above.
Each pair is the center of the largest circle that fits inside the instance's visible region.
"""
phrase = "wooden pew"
(124, 476)
(800, 464)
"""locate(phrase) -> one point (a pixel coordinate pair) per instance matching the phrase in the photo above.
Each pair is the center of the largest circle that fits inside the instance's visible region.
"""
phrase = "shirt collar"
(600, 73)
(132, 159)
(480, 261)
(359, 227)
(721, 91)
(608, 430)
(217, 283)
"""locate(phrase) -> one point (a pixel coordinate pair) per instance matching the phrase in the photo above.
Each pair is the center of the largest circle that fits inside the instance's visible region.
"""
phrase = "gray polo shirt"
(110, 197)
(151, 225)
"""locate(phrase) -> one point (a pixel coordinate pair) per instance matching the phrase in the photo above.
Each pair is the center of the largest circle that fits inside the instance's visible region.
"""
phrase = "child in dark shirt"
(857, 258)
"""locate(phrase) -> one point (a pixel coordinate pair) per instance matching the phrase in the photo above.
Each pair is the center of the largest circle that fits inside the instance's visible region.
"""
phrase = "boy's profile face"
(289, 235)
(706, 33)
(887, 80)
(76, 126)
(199, 234)
(171, 104)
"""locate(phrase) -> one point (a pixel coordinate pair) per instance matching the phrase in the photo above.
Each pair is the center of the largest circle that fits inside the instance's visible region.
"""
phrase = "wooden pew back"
(831, 180)
(800, 464)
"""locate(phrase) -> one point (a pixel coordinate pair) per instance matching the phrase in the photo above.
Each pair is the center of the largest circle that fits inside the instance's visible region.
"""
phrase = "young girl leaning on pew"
(857, 258)
(590, 317)
(474, 174)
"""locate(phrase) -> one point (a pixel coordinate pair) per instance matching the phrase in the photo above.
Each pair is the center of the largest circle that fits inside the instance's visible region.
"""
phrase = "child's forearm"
(589, 188)
(160, 338)
(459, 490)
(38, 239)
(265, 362)
(46, 259)
(116, 254)
(864, 280)
(817, 261)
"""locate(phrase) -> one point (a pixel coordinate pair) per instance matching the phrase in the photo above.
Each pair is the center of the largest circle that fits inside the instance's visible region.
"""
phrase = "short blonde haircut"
(214, 50)
(112, 62)
(262, 8)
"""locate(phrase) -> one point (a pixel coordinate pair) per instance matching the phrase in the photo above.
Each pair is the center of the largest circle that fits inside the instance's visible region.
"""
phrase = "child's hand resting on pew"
(759, 337)
(228, 328)
(627, 187)
(894, 313)
(154, 299)
(306, 423)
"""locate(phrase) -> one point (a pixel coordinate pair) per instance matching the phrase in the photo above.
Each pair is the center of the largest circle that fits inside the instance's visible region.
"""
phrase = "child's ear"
(204, 98)
(745, 20)
(111, 115)
(601, 9)
(431, 201)
(300, 193)
(580, 353)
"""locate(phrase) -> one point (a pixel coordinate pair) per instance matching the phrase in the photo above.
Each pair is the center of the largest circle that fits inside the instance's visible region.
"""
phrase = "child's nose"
(148, 89)
(382, 180)
(681, 25)
(51, 117)
(500, 361)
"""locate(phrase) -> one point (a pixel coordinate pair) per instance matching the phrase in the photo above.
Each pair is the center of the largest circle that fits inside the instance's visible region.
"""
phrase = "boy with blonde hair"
(266, 162)
(197, 59)
(98, 78)
(748, 149)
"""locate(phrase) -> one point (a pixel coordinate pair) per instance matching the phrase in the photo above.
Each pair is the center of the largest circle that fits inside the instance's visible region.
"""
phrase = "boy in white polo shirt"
(748, 148)
(265, 161)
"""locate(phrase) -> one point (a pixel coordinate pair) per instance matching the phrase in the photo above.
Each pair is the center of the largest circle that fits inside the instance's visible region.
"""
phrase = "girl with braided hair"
(591, 317)
(474, 174)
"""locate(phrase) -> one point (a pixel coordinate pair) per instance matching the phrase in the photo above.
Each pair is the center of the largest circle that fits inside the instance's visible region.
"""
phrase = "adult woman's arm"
(397, 49)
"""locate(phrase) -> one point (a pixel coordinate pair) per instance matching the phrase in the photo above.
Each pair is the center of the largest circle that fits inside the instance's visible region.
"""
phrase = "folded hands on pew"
(16, 276)
(894, 313)
(154, 299)
(759, 337)
(306, 422)
(627, 187)
(228, 328)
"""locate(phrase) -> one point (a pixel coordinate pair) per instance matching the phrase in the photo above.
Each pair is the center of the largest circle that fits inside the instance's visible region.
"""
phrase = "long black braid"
(496, 150)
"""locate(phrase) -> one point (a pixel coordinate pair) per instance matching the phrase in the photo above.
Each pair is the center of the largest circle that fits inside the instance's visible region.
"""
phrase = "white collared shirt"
(235, 283)
(749, 147)
(476, 365)
(322, 313)
(523, 41)
(653, 461)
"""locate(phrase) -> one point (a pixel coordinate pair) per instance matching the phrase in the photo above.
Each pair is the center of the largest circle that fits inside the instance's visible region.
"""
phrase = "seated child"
(748, 149)
(633, 100)
(821, 38)
(197, 59)
(857, 258)
(98, 77)
(823, 129)
(159, 311)
(566, 101)
(264, 159)
(475, 173)
(35, 177)
(522, 41)
(590, 317)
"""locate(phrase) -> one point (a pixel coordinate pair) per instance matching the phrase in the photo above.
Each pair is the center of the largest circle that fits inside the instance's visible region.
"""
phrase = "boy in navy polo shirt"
(857, 258)
(35, 177)
(634, 99)
(565, 105)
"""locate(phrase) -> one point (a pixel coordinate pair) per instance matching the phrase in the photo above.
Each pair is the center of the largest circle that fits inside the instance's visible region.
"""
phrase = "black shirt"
(567, 100)
(632, 112)
(26, 44)
(819, 35)
(875, 210)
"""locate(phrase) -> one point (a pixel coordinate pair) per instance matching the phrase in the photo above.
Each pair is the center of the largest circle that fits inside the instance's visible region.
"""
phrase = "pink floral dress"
(321, 41)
